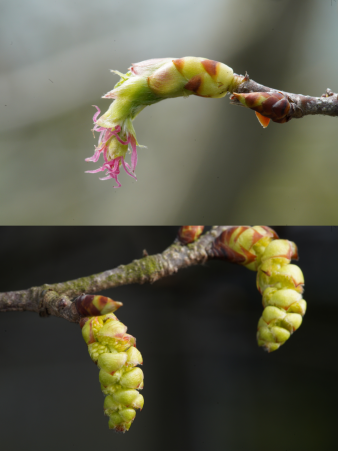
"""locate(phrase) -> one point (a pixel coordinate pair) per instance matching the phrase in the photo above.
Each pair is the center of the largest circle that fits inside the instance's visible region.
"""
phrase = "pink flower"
(112, 165)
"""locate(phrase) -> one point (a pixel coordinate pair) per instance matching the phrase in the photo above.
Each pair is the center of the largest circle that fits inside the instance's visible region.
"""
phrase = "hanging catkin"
(281, 283)
(114, 351)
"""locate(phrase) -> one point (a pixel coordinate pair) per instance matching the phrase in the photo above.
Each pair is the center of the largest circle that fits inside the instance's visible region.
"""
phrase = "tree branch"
(300, 105)
(57, 299)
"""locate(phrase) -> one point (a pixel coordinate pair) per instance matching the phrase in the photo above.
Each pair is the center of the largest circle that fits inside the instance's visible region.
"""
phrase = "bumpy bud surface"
(114, 351)
(147, 83)
(189, 234)
(280, 283)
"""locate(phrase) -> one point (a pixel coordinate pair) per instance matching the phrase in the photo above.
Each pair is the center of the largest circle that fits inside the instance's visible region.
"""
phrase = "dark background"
(207, 384)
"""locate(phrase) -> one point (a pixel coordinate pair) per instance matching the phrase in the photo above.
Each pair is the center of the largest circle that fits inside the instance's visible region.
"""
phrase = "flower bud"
(189, 234)
(108, 380)
(132, 378)
(95, 350)
(272, 275)
(134, 357)
(112, 362)
(91, 328)
(111, 331)
(147, 83)
(125, 396)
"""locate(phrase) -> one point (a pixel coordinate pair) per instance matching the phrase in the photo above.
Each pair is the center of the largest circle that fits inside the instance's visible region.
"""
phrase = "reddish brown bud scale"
(189, 234)
(222, 248)
(211, 67)
(179, 64)
(194, 84)
(271, 105)
(83, 321)
(91, 305)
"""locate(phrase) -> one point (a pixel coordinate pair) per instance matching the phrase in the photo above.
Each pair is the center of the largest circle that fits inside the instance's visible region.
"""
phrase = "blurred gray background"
(206, 161)
(207, 384)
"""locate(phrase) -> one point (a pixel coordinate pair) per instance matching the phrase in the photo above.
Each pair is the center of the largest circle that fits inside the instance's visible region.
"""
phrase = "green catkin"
(114, 351)
(281, 283)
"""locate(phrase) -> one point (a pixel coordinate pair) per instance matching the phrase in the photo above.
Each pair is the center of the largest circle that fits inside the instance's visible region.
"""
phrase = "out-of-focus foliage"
(55, 61)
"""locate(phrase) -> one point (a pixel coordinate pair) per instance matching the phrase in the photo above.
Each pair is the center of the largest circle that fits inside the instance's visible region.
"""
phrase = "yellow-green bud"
(119, 377)
(95, 350)
(112, 362)
(132, 378)
(134, 357)
(281, 283)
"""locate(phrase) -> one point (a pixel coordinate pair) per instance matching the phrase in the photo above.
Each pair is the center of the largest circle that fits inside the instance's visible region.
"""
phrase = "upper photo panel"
(123, 112)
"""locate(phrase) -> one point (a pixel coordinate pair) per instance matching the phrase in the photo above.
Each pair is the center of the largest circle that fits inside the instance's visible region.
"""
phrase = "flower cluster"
(114, 351)
(280, 283)
(147, 83)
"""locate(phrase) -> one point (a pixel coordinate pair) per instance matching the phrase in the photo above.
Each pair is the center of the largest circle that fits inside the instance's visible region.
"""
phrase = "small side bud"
(268, 105)
(189, 234)
(90, 305)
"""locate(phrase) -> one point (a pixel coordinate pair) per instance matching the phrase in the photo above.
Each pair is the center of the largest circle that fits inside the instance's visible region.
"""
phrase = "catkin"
(115, 353)
(280, 282)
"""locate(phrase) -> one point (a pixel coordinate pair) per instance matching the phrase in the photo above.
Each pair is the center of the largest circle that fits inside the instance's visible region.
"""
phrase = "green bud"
(283, 299)
(132, 378)
(134, 357)
(95, 350)
(112, 362)
(114, 420)
(108, 380)
(110, 405)
(138, 402)
(273, 314)
(280, 334)
(127, 414)
(274, 275)
(281, 251)
(126, 396)
(293, 320)
(110, 330)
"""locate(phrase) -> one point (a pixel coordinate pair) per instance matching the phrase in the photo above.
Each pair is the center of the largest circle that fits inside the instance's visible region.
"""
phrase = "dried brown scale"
(300, 105)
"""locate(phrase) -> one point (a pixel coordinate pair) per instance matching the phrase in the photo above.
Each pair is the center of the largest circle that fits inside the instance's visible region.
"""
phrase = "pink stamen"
(134, 152)
(126, 167)
(112, 167)
(96, 114)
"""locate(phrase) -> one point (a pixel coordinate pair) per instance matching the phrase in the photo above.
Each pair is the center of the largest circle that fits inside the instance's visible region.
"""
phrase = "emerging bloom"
(147, 83)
